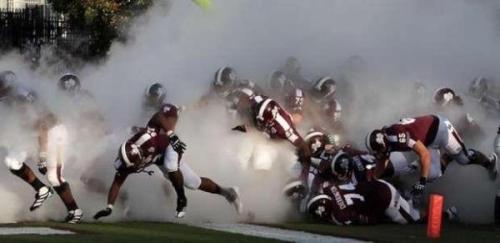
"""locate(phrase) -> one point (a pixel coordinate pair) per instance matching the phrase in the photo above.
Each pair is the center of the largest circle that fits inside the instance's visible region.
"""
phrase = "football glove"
(181, 205)
(177, 144)
(42, 163)
(104, 213)
(418, 188)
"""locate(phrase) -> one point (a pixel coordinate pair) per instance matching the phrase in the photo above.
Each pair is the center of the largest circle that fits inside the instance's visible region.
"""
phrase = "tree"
(100, 21)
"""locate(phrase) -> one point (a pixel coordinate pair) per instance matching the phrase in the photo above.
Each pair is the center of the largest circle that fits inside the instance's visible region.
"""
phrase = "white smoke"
(438, 42)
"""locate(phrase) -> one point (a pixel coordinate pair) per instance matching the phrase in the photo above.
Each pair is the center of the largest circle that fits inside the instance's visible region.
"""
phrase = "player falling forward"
(343, 202)
(423, 135)
(158, 144)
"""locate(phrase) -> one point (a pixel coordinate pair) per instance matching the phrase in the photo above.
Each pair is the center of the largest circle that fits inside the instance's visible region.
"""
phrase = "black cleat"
(40, 197)
(74, 216)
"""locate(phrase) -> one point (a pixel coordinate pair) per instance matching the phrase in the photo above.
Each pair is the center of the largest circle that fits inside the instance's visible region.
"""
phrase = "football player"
(267, 116)
(52, 142)
(343, 202)
(158, 144)
(225, 82)
(422, 135)
(449, 104)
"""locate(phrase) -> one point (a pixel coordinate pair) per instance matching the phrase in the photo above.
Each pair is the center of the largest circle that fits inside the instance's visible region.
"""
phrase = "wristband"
(423, 180)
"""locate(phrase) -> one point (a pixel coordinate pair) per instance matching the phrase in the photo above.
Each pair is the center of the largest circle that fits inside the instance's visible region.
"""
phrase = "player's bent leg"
(170, 169)
(455, 147)
(62, 188)
(75, 214)
(26, 174)
(399, 210)
(193, 181)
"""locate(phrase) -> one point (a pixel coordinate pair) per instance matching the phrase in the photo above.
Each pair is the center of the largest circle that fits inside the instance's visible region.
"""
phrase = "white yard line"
(32, 231)
(275, 233)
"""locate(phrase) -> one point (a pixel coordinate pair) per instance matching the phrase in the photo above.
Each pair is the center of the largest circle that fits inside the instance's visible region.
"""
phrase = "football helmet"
(295, 190)
(170, 110)
(324, 88)
(225, 79)
(320, 207)
(446, 96)
(342, 166)
(155, 94)
(7, 78)
(70, 83)
(376, 142)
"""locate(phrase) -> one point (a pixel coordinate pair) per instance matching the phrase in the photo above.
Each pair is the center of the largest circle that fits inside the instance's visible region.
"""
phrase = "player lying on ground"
(343, 202)
(158, 144)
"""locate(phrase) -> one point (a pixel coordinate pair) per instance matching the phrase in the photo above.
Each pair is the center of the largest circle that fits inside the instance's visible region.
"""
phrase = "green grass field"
(129, 232)
(169, 232)
(406, 233)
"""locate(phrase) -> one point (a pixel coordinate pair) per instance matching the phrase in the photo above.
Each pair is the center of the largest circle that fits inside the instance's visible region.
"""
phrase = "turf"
(129, 232)
(403, 233)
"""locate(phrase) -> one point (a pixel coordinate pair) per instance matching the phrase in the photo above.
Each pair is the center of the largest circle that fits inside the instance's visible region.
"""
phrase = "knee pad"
(171, 165)
(13, 163)
(171, 160)
(192, 182)
(54, 179)
(15, 160)
(61, 187)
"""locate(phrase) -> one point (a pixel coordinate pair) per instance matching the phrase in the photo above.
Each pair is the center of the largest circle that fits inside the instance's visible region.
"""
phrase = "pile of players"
(332, 180)
(338, 183)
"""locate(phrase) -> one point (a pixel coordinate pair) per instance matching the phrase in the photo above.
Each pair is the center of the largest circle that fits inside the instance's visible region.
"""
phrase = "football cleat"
(232, 195)
(103, 213)
(74, 216)
(181, 207)
(40, 197)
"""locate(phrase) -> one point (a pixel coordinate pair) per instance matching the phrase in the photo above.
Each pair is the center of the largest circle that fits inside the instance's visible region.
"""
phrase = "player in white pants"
(422, 135)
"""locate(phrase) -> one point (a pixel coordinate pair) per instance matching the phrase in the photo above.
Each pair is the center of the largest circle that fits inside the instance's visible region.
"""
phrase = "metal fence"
(31, 28)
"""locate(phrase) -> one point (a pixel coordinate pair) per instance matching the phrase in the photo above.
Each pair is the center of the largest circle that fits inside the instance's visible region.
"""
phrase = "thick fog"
(380, 48)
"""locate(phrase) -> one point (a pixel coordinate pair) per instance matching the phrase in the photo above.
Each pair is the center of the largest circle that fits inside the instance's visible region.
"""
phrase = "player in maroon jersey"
(421, 135)
(158, 144)
(268, 116)
(364, 203)
(344, 202)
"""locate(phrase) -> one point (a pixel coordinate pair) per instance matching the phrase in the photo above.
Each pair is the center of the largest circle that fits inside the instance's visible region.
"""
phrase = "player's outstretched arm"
(425, 158)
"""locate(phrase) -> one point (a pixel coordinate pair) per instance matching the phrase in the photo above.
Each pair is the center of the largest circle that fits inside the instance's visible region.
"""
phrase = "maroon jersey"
(143, 149)
(364, 203)
(294, 101)
(402, 136)
(270, 118)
